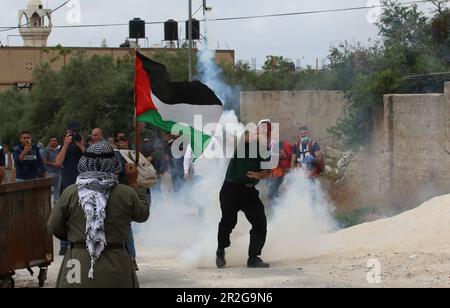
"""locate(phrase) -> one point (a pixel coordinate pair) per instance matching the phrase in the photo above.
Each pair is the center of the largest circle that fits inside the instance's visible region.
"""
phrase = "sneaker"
(220, 258)
(135, 266)
(62, 251)
(257, 263)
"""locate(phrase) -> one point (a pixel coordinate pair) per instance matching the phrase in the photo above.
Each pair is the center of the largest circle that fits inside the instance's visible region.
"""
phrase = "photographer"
(68, 158)
(28, 160)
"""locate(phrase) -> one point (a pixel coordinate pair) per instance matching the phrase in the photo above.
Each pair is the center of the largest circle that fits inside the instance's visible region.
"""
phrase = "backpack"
(147, 174)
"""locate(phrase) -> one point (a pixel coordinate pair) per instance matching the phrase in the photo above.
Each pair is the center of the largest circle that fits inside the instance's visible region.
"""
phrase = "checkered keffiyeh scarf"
(99, 172)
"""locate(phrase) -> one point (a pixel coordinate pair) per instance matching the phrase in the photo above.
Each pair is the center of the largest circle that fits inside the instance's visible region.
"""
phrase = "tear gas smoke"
(185, 224)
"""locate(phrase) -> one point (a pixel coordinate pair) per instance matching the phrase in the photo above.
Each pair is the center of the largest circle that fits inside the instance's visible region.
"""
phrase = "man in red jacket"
(283, 150)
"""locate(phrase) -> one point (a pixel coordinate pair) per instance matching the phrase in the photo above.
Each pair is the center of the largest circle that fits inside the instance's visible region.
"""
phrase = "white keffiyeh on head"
(99, 169)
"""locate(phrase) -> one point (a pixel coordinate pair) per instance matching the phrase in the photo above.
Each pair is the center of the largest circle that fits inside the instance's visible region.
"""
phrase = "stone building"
(35, 24)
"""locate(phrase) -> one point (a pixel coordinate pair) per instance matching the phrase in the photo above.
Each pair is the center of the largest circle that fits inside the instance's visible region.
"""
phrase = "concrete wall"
(417, 137)
(18, 63)
(319, 110)
(407, 162)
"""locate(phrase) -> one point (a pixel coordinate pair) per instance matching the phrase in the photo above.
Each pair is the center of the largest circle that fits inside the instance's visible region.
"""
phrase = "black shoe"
(62, 251)
(220, 258)
(257, 263)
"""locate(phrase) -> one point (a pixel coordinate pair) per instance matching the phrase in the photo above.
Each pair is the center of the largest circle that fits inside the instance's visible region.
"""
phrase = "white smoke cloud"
(302, 215)
(185, 224)
(297, 220)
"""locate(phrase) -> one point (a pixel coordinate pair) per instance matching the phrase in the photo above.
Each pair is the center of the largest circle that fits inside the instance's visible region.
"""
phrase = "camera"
(76, 137)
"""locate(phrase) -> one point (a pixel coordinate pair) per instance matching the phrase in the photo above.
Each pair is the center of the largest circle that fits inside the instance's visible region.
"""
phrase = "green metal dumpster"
(24, 240)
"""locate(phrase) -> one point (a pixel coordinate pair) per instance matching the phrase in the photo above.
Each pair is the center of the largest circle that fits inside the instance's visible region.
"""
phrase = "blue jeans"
(64, 244)
(131, 248)
(130, 244)
(56, 185)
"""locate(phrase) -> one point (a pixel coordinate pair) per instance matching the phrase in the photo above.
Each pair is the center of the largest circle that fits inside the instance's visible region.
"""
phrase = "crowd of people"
(96, 172)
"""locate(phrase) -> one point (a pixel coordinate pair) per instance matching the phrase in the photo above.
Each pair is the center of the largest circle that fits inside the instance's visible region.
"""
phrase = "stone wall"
(408, 160)
(417, 140)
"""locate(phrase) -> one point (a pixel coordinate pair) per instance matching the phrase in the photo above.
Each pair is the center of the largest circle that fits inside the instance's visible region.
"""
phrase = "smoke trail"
(210, 74)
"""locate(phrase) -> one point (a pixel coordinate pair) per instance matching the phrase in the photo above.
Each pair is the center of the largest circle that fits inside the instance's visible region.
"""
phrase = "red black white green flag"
(164, 103)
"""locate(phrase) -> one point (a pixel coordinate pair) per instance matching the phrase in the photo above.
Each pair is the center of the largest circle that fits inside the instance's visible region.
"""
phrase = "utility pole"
(190, 40)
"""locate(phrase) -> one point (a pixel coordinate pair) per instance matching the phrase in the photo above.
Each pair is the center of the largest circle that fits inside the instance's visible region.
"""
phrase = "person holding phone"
(28, 160)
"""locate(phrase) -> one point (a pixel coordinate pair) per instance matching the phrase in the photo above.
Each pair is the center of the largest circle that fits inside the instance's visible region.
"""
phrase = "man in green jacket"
(94, 215)
(238, 193)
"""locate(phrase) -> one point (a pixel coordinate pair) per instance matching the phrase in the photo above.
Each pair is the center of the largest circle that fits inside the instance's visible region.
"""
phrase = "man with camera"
(70, 154)
(68, 158)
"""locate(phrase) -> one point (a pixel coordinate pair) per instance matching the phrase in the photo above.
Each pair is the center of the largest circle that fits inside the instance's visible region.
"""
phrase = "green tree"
(96, 91)
(176, 63)
(278, 63)
(407, 47)
(13, 104)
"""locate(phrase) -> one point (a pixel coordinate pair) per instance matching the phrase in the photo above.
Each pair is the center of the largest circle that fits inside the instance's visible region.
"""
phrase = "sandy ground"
(412, 250)
(347, 270)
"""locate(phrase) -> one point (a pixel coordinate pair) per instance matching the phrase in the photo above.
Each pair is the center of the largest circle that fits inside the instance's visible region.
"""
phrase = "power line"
(314, 12)
(24, 25)
(235, 18)
(197, 10)
(425, 75)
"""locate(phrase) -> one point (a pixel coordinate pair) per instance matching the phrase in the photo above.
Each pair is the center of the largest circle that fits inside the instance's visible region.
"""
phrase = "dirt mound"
(423, 229)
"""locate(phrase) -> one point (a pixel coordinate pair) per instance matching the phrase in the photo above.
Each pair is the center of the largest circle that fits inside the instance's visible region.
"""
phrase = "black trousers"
(235, 197)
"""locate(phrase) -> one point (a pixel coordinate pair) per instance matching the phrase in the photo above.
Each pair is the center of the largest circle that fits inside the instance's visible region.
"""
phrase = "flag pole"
(136, 123)
(190, 40)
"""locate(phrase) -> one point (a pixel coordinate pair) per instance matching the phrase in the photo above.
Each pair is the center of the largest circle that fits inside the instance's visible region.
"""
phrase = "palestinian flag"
(164, 103)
